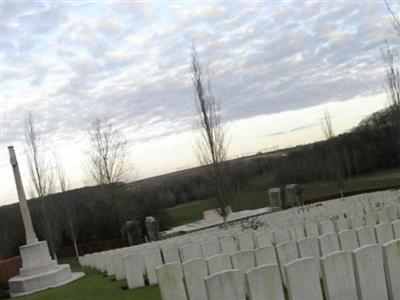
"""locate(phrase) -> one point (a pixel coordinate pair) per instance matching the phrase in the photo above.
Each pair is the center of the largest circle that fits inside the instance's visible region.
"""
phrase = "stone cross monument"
(23, 205)
(39, 271)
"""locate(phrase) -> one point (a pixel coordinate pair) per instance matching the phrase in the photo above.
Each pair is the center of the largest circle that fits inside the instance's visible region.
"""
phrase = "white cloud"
(129, 61)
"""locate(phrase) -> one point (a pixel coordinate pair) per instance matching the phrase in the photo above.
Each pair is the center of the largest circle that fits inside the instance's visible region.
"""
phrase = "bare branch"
(39, 167)
(108, 156)
(395, 17)
(327, 127)
(60, 173)
(391, 58)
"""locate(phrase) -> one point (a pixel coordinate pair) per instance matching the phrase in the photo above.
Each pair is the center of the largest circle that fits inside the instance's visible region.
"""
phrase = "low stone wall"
(9, 268)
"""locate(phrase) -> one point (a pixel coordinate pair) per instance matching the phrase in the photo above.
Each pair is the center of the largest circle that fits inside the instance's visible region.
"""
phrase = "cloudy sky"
(275, 66)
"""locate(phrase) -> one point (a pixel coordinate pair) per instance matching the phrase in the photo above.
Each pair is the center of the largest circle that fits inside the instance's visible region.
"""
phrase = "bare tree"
(40, 171)
(108, 156)
(109, 162)
(212, 144)
(39, 166)
(327, 126)
(395, 17)
(391, 57)
(68, 205)
(334, 157)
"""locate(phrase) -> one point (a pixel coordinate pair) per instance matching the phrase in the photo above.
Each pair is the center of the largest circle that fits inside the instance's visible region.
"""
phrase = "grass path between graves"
(256, 195)
(94, 286)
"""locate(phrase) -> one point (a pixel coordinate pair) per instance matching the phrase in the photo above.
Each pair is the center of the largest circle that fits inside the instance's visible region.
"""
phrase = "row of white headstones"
(352, 244)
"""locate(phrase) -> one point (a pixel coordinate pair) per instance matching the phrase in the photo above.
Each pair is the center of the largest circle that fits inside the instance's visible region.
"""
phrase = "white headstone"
(286, 252)
(170, 280)
(243, 260)
(371, 217)
(265, 256)
(309, 247)
(195, 271)
(369, 273)
(281, 235)
(326, 227)
(302, 277)
(225, 285)
(391, 255)
(134, 269)
(383, 216)
(384, 233)
(311, 230)
(299, 232)
(264, 283)
(228, 245)
(246, 240)
(396, 229)
(348, 240)
(341, 224)
(262, 238)
(211, 247)
(392, 211)
(118, 267)
(190, 251)
(152, 259)
(356, 222)
(219, 263)
(366, 236)
(328, 243)
(171, 254)
(338, 276)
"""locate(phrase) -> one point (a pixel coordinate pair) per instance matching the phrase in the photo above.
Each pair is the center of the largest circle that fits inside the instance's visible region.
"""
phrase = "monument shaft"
(23, 205)
(38, 270)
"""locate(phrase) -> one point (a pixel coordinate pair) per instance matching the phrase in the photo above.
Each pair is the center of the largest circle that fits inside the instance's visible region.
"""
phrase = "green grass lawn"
(193, 211)
(97, 287)
(258, 196)
(94, 286)
(378, 180)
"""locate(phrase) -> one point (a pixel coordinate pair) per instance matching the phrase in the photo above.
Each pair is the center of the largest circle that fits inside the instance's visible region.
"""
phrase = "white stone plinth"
(39, 271)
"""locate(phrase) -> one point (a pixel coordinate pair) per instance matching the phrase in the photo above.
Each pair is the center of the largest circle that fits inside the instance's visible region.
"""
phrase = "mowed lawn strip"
(94, 287)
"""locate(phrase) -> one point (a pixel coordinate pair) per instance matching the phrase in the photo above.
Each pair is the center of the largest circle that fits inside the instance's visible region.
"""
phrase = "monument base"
(39, 271)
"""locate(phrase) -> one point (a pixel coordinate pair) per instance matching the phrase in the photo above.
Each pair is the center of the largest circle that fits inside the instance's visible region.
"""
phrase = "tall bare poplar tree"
(327, 126)
(391, 57)
(40, 170)
(334, 158)
(109, 162)
(108, 156)
(69, 206)
(212, 144)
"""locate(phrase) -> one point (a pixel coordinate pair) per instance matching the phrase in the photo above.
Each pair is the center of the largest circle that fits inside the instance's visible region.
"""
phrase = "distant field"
(95, 287)
(378, 180)
(258, 196)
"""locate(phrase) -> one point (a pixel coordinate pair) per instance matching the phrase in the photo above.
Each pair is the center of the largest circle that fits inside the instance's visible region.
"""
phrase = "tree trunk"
(75, 247)
(225, 219)
(55, 256)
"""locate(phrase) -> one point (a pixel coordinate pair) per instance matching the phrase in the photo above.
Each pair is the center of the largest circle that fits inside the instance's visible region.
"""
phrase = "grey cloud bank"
(69, 63)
